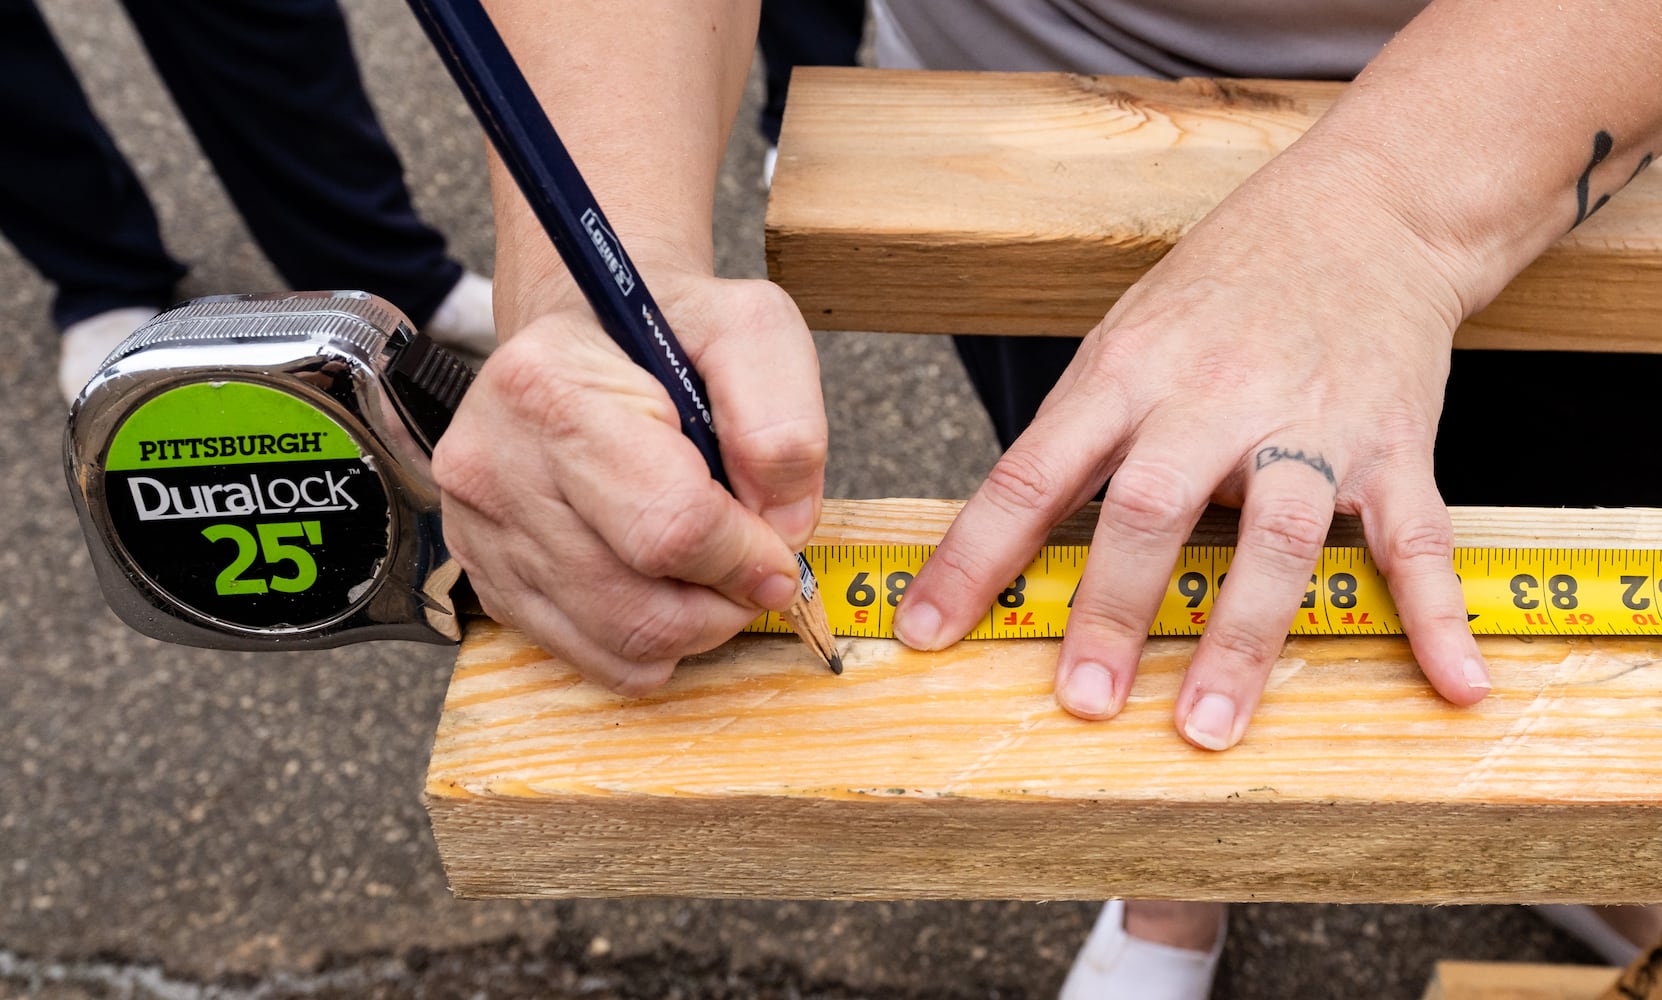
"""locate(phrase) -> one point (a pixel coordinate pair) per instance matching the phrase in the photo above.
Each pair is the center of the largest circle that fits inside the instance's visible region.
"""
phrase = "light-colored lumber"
(1641, 980)
(1027, 203)
(1518, 981)
(954, 774)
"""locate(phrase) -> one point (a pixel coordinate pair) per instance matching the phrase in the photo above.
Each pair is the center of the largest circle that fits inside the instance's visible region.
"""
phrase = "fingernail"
(777, 592)
(794, 522)
(1088, 690)
(1477, 676)
(1211, 722)
(917, 625)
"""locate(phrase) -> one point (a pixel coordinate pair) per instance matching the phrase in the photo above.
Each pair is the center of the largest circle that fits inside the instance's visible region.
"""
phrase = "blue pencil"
(490, 80)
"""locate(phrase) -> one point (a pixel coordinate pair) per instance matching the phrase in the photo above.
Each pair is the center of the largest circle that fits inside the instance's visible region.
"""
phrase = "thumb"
(763, 377)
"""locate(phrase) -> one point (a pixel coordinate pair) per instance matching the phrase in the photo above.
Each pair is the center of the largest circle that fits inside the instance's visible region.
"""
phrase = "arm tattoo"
(1601, 148)
(1602, 144)
(1643, 163)
(1271, 455)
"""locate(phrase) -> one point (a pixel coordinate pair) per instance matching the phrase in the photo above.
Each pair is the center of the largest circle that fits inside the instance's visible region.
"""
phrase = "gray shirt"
(1292, 39)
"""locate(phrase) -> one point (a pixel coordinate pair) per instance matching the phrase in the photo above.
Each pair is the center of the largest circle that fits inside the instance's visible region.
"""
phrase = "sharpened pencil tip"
(836, 664)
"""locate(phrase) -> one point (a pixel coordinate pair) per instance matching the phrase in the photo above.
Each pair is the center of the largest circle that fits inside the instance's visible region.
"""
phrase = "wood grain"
(1641, 980)
(1026, 203)
(1518, 981)
(954, 774)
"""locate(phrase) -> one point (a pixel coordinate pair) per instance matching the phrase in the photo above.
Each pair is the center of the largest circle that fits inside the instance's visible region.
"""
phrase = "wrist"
(664, 245)
(532, 280)
(1462, 220)
(1320, 220)
(533, 283)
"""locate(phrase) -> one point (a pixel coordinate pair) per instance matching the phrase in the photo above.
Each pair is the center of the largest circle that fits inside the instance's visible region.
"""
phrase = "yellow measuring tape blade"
(1508, 592)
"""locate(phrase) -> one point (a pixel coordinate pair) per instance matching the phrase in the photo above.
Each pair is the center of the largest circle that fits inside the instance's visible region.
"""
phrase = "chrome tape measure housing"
(249, 476)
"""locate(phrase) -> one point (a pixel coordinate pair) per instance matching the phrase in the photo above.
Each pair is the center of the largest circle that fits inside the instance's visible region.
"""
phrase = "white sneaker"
(86, 344)
(464, 321)
(1113, 965)
(770, 159)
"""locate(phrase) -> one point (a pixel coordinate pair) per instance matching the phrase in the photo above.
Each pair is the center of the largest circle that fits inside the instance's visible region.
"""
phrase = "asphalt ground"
(179, 823)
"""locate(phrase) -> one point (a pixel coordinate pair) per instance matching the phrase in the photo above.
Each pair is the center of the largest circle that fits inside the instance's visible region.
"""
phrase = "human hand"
(1287, 357)
(586, 518)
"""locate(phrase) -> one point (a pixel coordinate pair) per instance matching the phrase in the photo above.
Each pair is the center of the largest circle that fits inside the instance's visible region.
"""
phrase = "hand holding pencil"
(627, 556)
(582, 492)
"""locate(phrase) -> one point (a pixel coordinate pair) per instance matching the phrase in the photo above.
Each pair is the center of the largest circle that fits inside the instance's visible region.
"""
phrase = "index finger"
(1049, 472)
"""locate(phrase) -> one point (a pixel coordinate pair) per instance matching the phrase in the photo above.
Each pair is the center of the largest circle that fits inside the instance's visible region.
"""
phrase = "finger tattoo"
(1271, 455)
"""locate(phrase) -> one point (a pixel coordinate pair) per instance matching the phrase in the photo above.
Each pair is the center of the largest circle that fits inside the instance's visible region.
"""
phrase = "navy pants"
(796, 33)
(271, 91)
(1519, 428)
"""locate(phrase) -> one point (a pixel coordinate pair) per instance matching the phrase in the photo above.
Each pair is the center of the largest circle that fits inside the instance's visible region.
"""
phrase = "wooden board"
(954, 774)
(1518, 981)
(1027, 203)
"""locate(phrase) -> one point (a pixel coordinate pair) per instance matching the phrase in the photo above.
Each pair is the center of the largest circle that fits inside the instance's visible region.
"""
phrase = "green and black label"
(247, 504)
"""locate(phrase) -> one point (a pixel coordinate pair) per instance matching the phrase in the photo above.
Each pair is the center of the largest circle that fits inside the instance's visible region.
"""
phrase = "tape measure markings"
(1508, 591)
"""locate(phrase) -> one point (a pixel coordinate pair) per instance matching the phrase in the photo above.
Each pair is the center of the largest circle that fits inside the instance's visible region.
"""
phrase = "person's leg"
(1181, 925)
(1012, 376)
(272, 92)
(803, 33)
(796, 33)
(1550, 429)
(1149, 950)
(69, 201)
(1641, 925)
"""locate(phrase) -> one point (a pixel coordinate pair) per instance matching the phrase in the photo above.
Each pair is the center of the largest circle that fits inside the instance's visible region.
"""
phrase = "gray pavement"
(180, 823)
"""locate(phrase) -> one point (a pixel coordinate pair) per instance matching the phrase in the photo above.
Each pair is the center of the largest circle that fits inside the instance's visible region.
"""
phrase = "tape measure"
(1509, 591)
(252, 472)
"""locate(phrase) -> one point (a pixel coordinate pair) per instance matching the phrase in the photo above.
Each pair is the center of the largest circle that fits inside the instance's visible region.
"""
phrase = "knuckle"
(668, 533)
(464, 472)
(1109, 353)
(497, 607)
(1022, 484)
(957, 568)
(640, 680)
(1104, 375)
(1428, 538)
(768, 302)
(659, 633)
(1242, 645)
(783, 450)
(1289, 529)
(537, 391)
(1406, 429)
(1148, 497)
(1443, 617)
(1105, 618)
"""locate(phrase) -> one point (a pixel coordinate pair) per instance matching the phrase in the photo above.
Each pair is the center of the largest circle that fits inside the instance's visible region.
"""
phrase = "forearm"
(1492, 128)
(643, 94)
